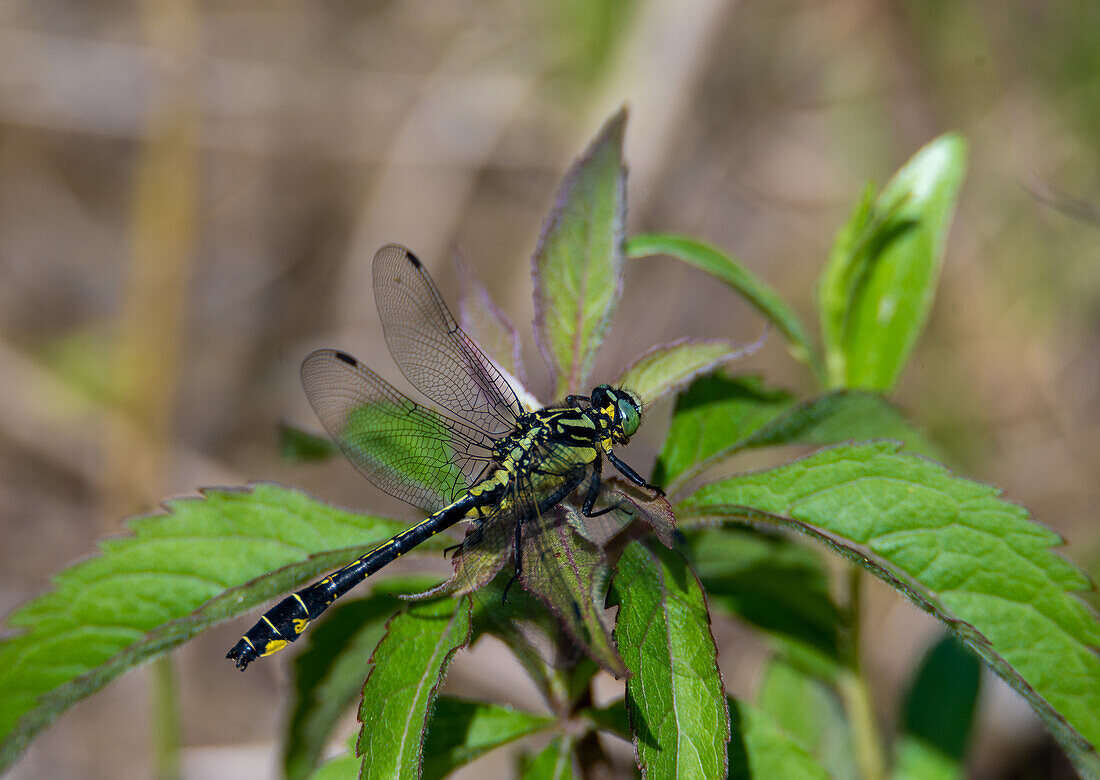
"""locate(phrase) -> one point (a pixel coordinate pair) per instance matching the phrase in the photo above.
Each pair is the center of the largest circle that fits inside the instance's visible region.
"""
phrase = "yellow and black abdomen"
(286, 621)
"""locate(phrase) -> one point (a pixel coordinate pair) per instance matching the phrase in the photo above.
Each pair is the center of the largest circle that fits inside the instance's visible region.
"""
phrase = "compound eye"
(628, 417)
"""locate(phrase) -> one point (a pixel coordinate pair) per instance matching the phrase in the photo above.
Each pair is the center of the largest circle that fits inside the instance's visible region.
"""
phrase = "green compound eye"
(628, 413)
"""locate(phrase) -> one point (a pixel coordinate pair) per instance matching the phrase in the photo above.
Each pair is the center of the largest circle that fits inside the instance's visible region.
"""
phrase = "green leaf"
(632, 504)
(674, 695)
(177, 575)
(954, 549)
(556, 762)
(567, 572)
(734, 274)
(459, 731)
(842, 415)
(667, 368)
(918, 760)
(718, 417)
(880, 281)
(578, 263)
(773, 583)
(343, 767)
(711, 419)
(809, 710)
(939, 713)
(298, 445)
(848, 259)
(613, 718)
(329, 673)
(760, 749)
(409, 665)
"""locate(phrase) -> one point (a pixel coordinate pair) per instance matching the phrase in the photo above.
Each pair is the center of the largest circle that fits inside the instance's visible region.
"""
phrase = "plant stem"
(166, 720)
(591, 757)
(856, 692)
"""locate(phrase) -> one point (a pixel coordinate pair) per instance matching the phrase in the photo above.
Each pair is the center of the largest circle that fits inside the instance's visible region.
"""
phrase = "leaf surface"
(299, 445)
(760, 749)
(956, 550)
(459, 731)
(709, 422)
(772, 582)
(175, 576)
(568, 572)
(329, 673)
(556, 762)
(667, 368)
(719, 416)
(578, 263)
(880, 281)
(409, 665)
(842, 415)
(674, 696)
(807, 708)
(939, 713)
(342, 767)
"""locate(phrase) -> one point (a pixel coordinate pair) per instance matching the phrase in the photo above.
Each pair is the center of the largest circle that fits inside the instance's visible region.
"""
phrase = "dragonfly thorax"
(611, 416)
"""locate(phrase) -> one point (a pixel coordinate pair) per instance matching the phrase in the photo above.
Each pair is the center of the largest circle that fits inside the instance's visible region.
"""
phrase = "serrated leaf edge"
(1076, 746)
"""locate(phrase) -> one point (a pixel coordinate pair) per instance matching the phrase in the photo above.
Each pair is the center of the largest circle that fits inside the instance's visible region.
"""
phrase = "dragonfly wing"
(433, 352)
(416, 454)
(566, 572)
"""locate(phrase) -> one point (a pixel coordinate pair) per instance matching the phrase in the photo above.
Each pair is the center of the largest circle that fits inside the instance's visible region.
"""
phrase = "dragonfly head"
(621, 407)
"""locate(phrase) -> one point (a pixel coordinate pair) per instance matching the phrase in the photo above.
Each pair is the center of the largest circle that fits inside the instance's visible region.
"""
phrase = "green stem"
(856, 692)
(166, 719)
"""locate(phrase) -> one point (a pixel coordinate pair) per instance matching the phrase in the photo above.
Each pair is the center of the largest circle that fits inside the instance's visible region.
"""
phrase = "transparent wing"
(413, 453)
(433, 352)
(562, 560)
(567, 572)
(529, 501)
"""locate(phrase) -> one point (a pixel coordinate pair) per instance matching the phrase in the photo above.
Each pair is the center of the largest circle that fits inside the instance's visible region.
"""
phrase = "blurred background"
(191, 194)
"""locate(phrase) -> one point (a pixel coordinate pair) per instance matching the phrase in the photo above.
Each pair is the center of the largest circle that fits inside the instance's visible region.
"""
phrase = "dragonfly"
(485, 459)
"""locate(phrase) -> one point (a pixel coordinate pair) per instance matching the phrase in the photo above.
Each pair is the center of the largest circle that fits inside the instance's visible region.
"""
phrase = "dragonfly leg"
(593, 492)
(573, 400)
(631, 474)
(517, 540)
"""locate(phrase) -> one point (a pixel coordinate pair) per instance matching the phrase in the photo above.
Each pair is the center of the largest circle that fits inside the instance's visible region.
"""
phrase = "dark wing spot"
(347, 358)
(412, 258)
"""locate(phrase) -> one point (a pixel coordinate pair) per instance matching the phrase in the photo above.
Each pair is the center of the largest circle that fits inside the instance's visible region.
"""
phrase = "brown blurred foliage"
(190, 195)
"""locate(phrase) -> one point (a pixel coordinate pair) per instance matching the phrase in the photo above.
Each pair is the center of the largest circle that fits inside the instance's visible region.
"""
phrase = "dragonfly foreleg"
(631, 474)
